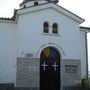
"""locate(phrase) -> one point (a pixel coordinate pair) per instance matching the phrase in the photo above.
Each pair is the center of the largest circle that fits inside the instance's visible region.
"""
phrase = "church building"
(43, 47)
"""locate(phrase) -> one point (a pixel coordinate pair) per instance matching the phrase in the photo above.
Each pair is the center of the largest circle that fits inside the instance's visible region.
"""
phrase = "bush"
(84, 85)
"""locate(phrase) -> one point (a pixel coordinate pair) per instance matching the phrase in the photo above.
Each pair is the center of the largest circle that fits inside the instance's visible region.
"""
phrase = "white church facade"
(43, 47)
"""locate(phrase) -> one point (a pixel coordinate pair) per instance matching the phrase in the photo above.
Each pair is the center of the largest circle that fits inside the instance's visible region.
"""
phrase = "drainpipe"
(86, 45)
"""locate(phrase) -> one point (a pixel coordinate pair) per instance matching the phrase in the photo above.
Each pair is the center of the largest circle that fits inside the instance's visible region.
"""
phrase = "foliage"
(84, 85)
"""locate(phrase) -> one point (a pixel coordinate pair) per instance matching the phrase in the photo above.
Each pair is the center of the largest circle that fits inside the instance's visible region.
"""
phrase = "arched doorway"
(50, 69)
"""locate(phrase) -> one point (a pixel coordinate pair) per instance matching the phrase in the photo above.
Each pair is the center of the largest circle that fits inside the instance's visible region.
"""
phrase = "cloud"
(79, 7)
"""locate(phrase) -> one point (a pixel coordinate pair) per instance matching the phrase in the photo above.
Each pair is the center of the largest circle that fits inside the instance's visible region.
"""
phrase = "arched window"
(35, 3)
(46, 27)
(55, 28)
(24, 6)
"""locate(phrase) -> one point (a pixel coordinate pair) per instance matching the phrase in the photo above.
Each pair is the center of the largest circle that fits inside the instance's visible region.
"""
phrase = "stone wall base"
(28, 73)
(26, 88)
(70, 72)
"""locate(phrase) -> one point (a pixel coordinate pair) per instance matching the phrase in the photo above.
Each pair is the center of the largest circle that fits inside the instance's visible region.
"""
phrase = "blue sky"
(79, 7)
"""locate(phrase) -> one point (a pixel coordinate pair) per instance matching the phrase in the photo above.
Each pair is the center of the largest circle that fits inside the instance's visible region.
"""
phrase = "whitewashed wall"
(83, 54)
(31, 38)
(7, 52)
(27, 35)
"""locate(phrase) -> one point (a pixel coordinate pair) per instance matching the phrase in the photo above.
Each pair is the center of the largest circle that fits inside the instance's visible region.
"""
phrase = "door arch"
(50, 69)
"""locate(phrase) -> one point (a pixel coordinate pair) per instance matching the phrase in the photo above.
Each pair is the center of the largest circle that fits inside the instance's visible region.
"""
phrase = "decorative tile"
(27, 72)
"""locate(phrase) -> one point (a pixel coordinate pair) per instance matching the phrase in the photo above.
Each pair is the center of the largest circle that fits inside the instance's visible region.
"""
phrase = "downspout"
(86, 46)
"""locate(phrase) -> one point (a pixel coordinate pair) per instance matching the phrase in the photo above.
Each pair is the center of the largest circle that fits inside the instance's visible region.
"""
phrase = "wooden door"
(50, 69)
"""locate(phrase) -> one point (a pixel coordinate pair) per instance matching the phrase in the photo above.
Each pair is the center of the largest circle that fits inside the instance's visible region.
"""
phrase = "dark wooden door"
(50, 69)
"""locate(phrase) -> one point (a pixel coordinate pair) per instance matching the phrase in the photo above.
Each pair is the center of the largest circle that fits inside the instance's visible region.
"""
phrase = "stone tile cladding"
(27, 72)
(70, 79)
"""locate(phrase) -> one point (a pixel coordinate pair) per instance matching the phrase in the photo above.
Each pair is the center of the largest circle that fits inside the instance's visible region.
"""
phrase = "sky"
(79, 7)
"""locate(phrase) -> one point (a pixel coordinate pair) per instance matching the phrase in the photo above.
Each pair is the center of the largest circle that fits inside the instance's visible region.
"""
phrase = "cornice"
(50, 6)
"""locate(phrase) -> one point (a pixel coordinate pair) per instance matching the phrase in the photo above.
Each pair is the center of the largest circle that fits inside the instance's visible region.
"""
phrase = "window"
(24, 6)
(35, 3)
(45, 27)
(55, 28)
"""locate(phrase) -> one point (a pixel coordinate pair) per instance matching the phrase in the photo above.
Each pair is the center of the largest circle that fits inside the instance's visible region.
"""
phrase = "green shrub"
(84, 85)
